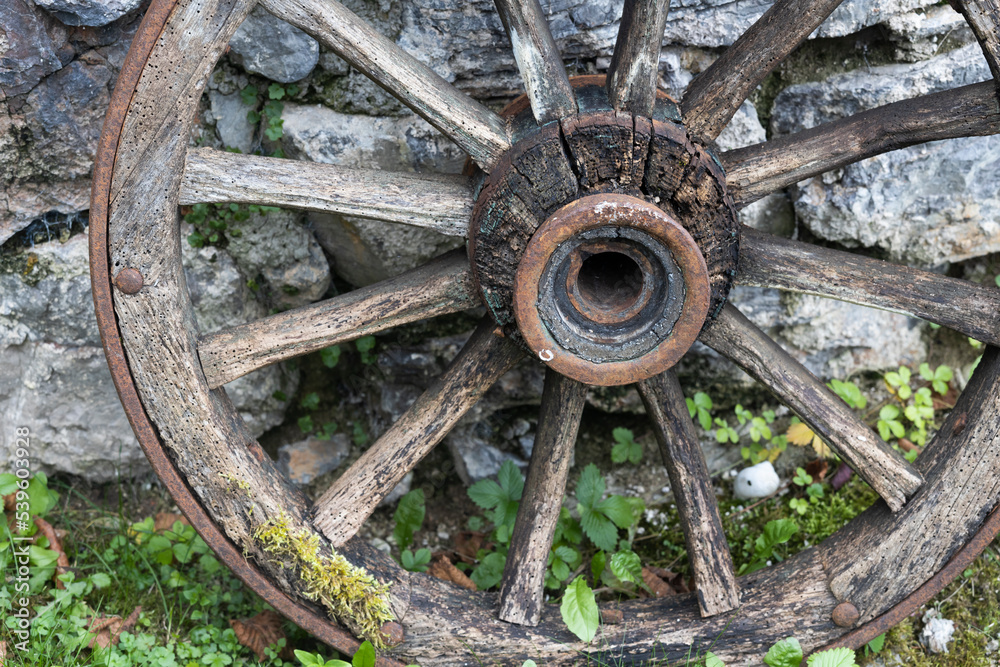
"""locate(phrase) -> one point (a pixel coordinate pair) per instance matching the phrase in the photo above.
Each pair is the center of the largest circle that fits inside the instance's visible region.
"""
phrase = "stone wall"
(935, 205)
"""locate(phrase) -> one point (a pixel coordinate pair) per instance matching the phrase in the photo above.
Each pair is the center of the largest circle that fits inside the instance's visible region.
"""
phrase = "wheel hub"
(604, 241)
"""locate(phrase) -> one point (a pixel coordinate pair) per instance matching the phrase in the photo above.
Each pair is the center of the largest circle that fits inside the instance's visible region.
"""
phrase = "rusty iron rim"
(318, 624)
(592, 213)
(302, 615)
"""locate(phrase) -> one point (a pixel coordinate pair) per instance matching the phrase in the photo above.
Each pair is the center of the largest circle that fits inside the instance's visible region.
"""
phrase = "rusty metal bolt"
(128, 280)
(392, 632)
(845, 615)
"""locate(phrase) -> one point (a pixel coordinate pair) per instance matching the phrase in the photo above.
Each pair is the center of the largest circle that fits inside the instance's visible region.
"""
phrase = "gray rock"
(937, 631)
(230, 115)
(88, 12)
(366, 251)
(266, 45)
(278, 249)
(304, 461)
(27, 50)
(221, 298)
(474, 454)
(925, 204)
(922, 34)
(54, 379)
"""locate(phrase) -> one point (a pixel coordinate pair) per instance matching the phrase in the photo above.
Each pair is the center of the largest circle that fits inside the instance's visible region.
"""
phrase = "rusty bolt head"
(128, 280)
(392, 632)
(845, 615)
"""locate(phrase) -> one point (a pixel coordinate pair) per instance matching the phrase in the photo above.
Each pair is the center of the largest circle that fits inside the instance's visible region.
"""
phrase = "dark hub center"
(604, 295)
(609, 281)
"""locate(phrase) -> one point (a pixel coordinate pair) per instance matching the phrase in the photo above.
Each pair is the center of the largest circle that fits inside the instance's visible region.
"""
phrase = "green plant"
(724, 432)
(899, 382)
(889, 425)
(939, 377)
(363, 657)
(625, 448)
(365, 345)
(701, 405)
(415, 562)
(775, 533)
(330, 356)
(601, 517)
(409, 517)
(850, 393)
(215, 223)
(579, 610)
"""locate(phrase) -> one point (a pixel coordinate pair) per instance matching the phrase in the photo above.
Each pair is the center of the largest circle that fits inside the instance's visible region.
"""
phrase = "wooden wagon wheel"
(603, 241)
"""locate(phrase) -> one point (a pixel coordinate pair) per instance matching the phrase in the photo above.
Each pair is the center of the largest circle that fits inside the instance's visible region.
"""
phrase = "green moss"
(348, 592)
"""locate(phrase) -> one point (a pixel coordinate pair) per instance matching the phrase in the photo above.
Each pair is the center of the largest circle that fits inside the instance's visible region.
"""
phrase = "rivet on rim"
(845, 615)
(128, 280)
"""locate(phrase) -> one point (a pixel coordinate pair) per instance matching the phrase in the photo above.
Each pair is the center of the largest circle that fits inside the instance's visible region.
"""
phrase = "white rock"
(937, 632)
(756, 481)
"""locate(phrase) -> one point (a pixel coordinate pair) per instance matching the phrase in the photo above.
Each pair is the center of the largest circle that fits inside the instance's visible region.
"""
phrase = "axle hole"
(610, 281)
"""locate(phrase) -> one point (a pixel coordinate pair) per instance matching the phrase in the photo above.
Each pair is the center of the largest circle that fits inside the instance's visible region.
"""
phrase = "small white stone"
(756, 481)
(937, 632)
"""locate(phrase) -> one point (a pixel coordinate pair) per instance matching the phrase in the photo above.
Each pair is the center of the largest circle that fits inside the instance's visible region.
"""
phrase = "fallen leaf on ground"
(841, 477)
(46, 530)
(658, 586)
(165, 521)
(442, 568)
(612, 616)
(817, 469)
(3, 652)
(908, 446)
(9, 503)
(108, 628)
(801, 435)
(468, 543)
(258, 633)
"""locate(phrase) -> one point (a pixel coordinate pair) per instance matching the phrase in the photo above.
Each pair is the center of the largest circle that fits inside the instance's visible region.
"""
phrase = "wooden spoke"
(758, 170)
(708, 550)
(771, 261)
(984, 19)
(735, 337)
(632, 74)
(538, 59)
(477, 130)
(522, 589)
(441, 286)
(715, 95)
(441, 203)
(355, 495)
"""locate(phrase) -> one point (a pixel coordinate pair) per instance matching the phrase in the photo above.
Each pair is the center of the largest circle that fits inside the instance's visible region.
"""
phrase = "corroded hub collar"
(611, 290)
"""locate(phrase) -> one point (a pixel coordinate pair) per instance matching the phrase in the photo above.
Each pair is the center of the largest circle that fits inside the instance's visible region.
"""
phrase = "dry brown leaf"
(9, 503)
(165, 521)
(908, 446)
(612, 616)
(257, 633)
(817, 469)
(658, 586)
(468, 543)
(442, 568)
(801, 435)
(3, 652)
(46, 530)
(108, 629)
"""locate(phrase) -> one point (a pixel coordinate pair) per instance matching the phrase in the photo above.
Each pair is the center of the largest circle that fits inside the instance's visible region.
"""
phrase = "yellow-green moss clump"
(350, 593)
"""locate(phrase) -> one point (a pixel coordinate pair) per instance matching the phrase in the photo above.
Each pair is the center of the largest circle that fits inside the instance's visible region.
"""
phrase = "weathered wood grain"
(772, 261)
(755, 171)
(632, 74)
(448, 628)
(438, 202)
(477, 130)
(714, 95)
(522, 590)
(441, 286)
(736, 338)
(984, 19)
(200, 428)
(708, 551)
(354, 496)
(538, 59)
(880, 556)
